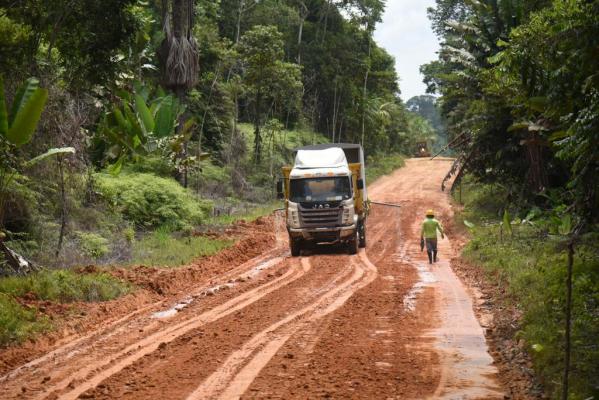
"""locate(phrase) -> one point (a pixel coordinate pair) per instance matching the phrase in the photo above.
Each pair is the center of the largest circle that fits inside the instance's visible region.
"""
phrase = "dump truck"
(422, 150)
(325, 196)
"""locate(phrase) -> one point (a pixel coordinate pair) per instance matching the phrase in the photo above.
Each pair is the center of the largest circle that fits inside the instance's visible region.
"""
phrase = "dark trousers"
(431, 250)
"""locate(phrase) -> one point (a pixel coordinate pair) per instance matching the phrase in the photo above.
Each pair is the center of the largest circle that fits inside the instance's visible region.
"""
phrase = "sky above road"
(407, 35)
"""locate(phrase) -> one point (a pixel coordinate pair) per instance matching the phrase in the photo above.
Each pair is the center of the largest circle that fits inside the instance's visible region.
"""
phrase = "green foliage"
(532, 269)
(18, 323)
(267, 76)
(82, 38)
(519, 85)
(428, 108)
(134, 134)
(17, 129)
(64, 286)
(12, 37)
(151, 201)
(25, 113)
(377, 166)
(93, 245)
(164, 248)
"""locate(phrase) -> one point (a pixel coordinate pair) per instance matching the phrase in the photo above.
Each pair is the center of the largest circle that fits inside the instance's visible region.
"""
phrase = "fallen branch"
(451, 143)
(19, 264)
(385, 204)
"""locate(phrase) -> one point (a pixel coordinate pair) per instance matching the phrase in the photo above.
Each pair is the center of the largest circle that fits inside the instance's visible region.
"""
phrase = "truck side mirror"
(360, 184)
(280, 194)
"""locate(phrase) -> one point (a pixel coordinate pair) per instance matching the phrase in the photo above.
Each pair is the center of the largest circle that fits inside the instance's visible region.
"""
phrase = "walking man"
(429, 234)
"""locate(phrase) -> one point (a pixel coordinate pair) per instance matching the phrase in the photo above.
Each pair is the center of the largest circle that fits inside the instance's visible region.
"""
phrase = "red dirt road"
(378, 325)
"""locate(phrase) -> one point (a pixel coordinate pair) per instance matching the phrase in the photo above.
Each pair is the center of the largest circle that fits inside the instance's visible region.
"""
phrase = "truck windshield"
(320, 189)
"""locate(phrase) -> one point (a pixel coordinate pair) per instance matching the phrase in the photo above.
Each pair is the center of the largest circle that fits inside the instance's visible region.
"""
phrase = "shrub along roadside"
(151, 201)
(531, 265)
(165, 248)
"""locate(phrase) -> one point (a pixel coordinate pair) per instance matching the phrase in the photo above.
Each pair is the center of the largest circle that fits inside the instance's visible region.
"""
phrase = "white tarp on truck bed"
(327, 158)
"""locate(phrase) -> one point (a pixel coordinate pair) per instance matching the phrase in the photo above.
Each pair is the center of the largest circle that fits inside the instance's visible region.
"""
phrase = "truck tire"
(295, 246)
(362, 234)
(352, 244)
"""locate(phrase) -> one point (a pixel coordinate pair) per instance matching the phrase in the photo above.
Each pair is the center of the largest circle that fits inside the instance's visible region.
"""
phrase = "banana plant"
(136, 127)
(17, 129)
(18, 126)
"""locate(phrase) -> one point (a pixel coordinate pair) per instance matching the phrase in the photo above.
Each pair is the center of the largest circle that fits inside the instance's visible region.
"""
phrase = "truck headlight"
(293, 216)
(347, 217)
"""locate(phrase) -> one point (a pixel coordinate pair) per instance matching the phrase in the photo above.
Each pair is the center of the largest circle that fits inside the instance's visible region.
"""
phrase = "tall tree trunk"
(364, 89)
(257, 122)
(303, 13)
(63, 206)
(238, 25)
(567, 345)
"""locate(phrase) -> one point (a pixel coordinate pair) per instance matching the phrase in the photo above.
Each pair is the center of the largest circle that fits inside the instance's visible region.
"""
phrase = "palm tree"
(178, 53)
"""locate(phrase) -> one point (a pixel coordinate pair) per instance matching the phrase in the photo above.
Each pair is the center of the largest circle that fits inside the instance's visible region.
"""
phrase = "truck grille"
(320, 217)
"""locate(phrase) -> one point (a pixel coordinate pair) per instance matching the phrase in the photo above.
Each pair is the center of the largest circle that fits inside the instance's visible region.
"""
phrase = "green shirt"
(429, 228)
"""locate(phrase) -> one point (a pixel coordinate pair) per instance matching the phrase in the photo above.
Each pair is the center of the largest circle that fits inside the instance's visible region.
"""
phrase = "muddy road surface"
(382, 324)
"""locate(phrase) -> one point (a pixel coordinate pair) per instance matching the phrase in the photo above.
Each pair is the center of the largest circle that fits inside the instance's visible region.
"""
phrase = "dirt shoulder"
(501, 320)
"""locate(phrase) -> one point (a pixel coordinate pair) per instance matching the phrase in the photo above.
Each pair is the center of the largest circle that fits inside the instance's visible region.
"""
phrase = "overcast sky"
(407, 35)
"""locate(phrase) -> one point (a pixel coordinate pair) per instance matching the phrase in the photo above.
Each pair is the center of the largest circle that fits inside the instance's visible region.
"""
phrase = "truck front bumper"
(333, 234)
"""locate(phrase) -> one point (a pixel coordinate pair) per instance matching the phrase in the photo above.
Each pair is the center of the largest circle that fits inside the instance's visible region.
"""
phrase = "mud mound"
(251, 241)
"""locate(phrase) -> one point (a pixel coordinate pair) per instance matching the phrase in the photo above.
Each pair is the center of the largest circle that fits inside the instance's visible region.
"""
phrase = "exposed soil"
(253, 322)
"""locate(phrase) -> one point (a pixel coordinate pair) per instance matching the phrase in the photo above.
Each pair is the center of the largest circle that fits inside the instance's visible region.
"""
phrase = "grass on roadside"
(64, 286)
(377, 166)
(164, 248)
(250, 214)
(531, 266)
(18, 323)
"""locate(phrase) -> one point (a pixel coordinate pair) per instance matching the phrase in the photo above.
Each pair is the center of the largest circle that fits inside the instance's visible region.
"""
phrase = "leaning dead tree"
(16, 263)
(457, 168)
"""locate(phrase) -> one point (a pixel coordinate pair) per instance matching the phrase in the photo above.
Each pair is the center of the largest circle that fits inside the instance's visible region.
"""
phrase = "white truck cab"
(325, 197)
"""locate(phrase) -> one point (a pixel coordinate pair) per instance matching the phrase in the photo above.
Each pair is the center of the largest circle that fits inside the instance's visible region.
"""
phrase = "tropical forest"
(143, 148)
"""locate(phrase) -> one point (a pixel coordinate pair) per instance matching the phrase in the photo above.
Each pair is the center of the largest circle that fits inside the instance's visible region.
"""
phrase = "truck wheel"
(296, 247)
(352, 244)
(362, 233)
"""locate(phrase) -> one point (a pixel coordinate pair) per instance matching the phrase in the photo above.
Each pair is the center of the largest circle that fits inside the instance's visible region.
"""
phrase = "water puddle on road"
(467, 368)
(174, 309)
(218, 288)
(425, 279)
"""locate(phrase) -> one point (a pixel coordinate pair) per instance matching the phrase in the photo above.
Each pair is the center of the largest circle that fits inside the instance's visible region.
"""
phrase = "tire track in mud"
(370, 347)
(88, 355)
(151, 343)
(191, 358)
(239, 370)
(111, 327)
